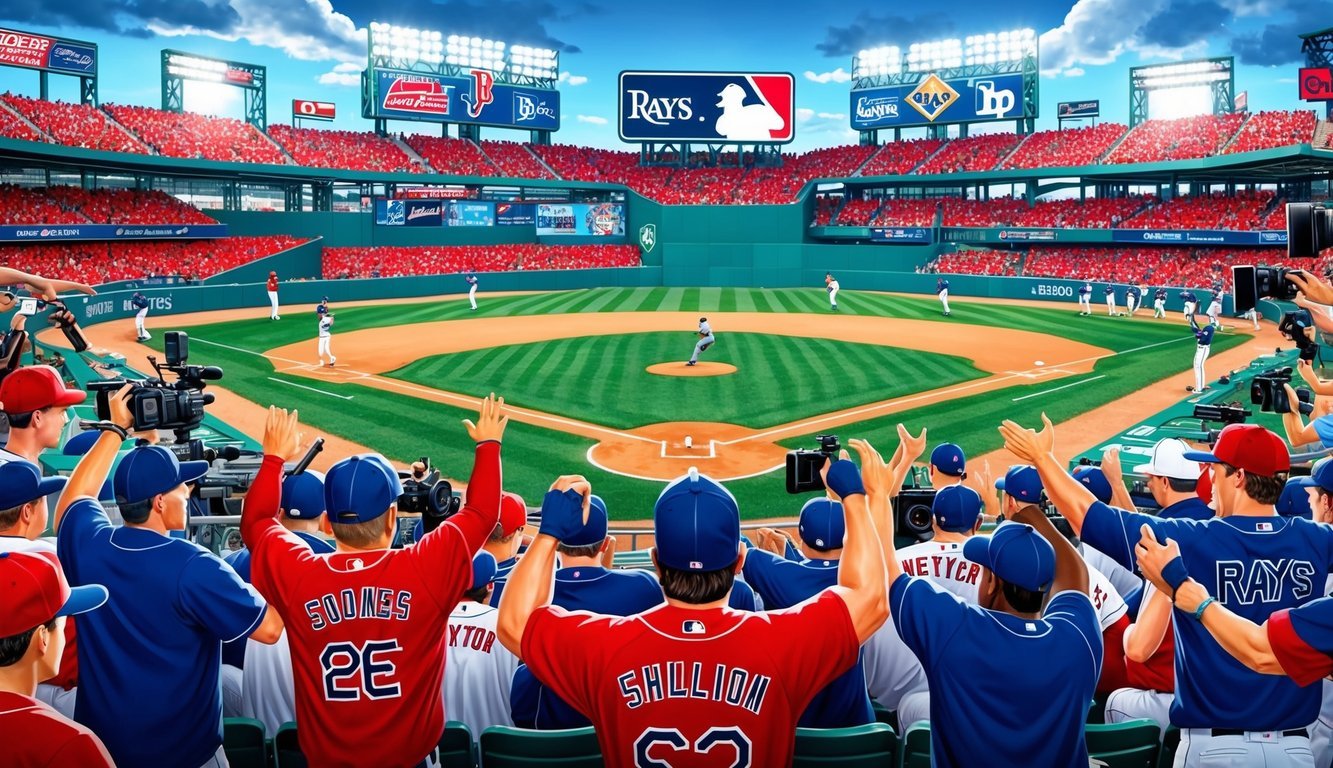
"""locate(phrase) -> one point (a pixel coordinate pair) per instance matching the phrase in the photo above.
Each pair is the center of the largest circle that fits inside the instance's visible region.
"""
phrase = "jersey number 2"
(675, 741)
(352, 672)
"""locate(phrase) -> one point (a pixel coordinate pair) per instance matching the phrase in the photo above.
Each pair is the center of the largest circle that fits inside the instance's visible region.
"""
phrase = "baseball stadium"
(679, 335)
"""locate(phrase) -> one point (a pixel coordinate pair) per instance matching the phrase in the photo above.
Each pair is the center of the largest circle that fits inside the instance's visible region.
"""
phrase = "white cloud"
(308, 30)
(838, 75)
(345, 74)
(1073, 72)
(803, 114)
(572, 80)
(591, 119)
(1097, 32)
(831, 116)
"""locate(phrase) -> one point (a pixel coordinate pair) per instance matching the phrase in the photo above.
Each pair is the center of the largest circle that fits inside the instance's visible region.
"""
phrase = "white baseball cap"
(1168, 460)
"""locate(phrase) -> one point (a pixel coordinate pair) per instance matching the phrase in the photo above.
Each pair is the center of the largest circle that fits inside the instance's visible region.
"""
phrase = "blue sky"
(314, 49)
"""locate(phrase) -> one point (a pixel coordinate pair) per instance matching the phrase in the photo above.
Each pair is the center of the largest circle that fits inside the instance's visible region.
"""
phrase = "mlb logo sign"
(727, 107)
(692, 627)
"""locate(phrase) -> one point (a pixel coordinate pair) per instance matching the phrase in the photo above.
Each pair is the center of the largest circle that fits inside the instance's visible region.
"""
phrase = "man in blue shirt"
(1203, 338)
(1159, 303)
(149, 660)
(1085, 298)
(1133, 295)
(1190, 302)
(1257, 564)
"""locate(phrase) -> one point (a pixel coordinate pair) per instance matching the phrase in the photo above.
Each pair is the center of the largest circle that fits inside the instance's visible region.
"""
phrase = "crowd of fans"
(1269, 129)
(75, 205)
(452, 156)
(515, 160)
(896, 158)
(353, 150)
(392, 261)
(1172, 266)
(75, 125)
(974, 153)
(1184, 138)
(195, 136)
(1089, 213)
(976, 261)
(996, 212)
(98, 263)
(1243, 211)
(1065, 148)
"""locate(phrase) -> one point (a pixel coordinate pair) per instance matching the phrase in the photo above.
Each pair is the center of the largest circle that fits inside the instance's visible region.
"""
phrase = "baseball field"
(575, 366)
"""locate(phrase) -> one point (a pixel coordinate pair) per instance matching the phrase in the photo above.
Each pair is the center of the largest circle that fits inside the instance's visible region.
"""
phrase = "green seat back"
(1170, 741)
(873, 745)
(286, 749)
(1132, 744)
(503, 747)
(244, 742)
(915, 748)
(456, 747)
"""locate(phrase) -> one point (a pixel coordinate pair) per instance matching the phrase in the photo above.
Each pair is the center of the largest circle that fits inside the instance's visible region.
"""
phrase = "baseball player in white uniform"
(325, 338)
(1085, 298)
(472, 291)
(831, 285)
(942, 291)
(1215, 306)
(1110, 300)
(705, 340)
(481, 670)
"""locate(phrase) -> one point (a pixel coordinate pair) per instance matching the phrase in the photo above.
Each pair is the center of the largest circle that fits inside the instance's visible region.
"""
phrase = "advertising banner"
(112, 232)
(314, 110)
(1029, 235)
(901, 234)
(735, 107)
(432, 193)
(470, 214)
(474, 99)
(23, 49)
(515, 214)
(1316, 83)
(936, 101)
(409, 213)
(597, 219)
(1199, 236)
(1074, 109)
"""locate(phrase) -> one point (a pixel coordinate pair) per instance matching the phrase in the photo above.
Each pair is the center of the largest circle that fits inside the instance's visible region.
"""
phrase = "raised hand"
(1028, 444)
(913, 447)
(282, 434)
(491, 421)
(1111, 464)
(565, 507)
(875, 472)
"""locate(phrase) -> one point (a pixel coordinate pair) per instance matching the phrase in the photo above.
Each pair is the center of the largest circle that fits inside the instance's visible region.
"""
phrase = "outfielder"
(1215, 304)
(1204, 344)
(1085, 299)
(942, 289)
(705, 340)
(472, 291)
(1159, 303)
(1191, 302)
(140, 303)
(325, 338)
(1133, 294)
(831, 285)
(272, 288)
(1110, 299)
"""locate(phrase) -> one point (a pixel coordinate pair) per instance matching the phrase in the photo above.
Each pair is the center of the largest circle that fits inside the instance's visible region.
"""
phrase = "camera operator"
(36, 402)
(1320, 428)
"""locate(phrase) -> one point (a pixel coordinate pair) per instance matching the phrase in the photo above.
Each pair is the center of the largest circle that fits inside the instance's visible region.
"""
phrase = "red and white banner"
(1316, 83)
(20, 49)
(432, 193)
(313, 110)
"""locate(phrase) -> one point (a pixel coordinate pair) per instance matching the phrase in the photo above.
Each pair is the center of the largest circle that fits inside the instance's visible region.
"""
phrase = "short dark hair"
(477, 595)
(136, 512)
(23, 420)
(13, 648)
(1182, 486)
(587, 550)
(1023, 600)
(1265, 489)
(697, 587)
(359, 534)
(498, 535)
(10, 517)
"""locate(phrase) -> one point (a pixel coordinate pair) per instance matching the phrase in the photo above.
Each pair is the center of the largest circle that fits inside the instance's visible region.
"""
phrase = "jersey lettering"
(1264, 581)
(363, 603)
(658, 682)
(476, 638)
(352, 672)
(940, 567)
(714, 738)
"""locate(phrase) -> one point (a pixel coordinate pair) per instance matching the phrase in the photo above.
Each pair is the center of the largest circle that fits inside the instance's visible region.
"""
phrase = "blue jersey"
(1109, 290)
(1188, 297)
(980, 662)
(233, 653)
(1255, 566)
(139, 301)
(1204, 335)
(149, 659)
(1160, 294)
(941, 285)
(1133, 292)
(1085, 290)
(784, 583)
(1192, 508)
(502, 571)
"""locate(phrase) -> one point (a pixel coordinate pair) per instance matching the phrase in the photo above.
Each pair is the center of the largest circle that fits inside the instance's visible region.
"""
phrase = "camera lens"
(1309, 230)
(918, 518)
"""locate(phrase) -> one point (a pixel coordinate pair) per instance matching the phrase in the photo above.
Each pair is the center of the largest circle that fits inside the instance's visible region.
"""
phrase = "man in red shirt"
(273, 296)
(367, 624)
(36, 601)
(693, 676)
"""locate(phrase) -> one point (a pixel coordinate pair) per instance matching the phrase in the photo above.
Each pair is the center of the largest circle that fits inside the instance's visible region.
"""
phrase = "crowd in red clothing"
(979, 261)
(896, 158)
(24, 205)
(1090, 213)
(1243, 211)
(75, 205)
(906, 213)
(1265, 130)
(190, 135)
(98, 263)
(75, 125)
(996, 212)
(974, 153)
(1184, 138)
(1063, 149)
(1185, 267)
(515, 160)
(354, 150)
(452, 156)
(454, 259)
(857, 212)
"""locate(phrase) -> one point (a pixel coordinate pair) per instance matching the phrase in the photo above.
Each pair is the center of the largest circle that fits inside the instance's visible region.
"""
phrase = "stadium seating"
(452, 156)
(906, 213)
(515, 160)
(457, 748)
(899, 157)
(454, 259)
(1243, 211)
(22, 205)
(974, 153)
(1184, 138)
(503, 747)
(1185, 267)
(1265, 130)
(98, 263)
(287, 749)
(1131, 744)
(857, 213)
(1070, 148)
(825, 206)
(874, 745)
(244, 742)
(189, 135)
(915, 746)
(14, 127)
(75, 125)
(353, 150)
(978, 261)
(1091, 213)
(996, 212)
(126, 206)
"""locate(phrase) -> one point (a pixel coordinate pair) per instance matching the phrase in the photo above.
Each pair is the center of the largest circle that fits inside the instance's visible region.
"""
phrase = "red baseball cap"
(37, 387)
(35, 591)
(1249, 447)
(513, 513)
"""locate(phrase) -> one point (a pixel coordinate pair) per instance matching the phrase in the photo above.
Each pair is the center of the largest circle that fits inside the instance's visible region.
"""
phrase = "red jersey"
(710, 689)
(1158, 673)
(36, 736)
(273, 282)
(367, 629)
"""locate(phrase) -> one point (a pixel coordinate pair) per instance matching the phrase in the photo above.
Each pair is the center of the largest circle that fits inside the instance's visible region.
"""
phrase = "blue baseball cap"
(697, 524)
(1094, 480)
(1022, 482)
(949, 459)
(1321, 476)
(148, 470)
(303, 495)
(1017, 554)
(594, 530)
(1295, 501)
(956, 508)
(360, 488)
(821, 524)
(22, 482)
(483, 569)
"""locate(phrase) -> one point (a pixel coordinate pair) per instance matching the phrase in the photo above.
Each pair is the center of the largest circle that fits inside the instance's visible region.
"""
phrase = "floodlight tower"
(1318, 50)
(1217, 74)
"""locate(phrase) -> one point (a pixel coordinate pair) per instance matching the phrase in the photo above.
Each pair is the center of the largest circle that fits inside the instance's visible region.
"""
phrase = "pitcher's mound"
(699, 369)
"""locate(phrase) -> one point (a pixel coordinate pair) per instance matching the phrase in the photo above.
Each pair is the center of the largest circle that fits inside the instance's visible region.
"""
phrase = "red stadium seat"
(98, 263)
(392, 261)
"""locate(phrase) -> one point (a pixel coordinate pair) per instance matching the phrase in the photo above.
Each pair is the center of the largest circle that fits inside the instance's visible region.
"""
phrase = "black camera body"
(430, 496)
(1293, 327)
(63, 319)
(1253, 283)
(913, 516)
(1267, 392)
(1309, 230)
(803, 466)
(158, 404)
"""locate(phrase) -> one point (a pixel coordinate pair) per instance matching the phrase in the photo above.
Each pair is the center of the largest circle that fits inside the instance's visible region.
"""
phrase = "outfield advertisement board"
(1199, 236)
(713, 107)
(24, 49)
(901, 235)
(470, 213)
(596, 219)
(515, 214)
(476, 98)
(937, 101)
(409, 213)
(1069, 110)
(42, 233)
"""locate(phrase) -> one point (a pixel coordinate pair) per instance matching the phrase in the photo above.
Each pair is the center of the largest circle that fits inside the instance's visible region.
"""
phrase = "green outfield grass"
(403, 427)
